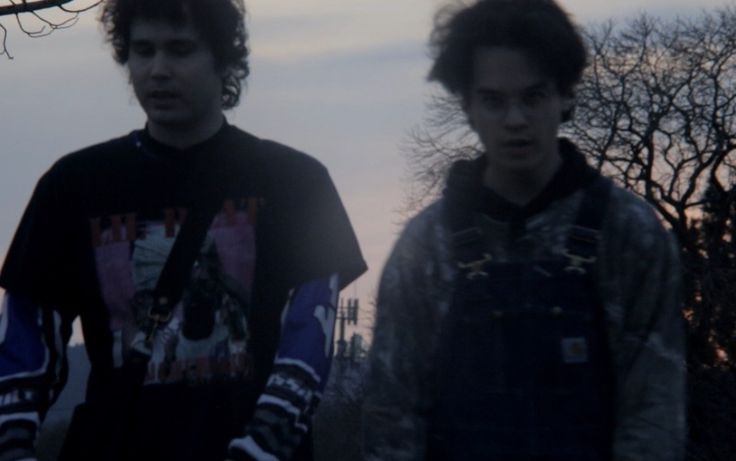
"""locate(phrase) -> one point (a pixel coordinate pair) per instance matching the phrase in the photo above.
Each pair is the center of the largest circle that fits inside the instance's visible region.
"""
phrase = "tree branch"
(26, 7)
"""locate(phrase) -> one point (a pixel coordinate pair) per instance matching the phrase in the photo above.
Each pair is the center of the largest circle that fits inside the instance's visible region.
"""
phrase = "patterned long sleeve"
(284, 411)
(33, 371)
(641, 285)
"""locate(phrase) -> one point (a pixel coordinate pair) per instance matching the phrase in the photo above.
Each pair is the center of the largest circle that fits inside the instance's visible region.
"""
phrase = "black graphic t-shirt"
(99, 230)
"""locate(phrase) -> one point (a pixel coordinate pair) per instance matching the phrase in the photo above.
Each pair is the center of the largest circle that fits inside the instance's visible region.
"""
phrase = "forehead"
(161, 31)
(506, 69)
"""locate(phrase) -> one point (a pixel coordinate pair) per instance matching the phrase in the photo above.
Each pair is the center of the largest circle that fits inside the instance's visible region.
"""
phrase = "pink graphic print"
(207, 337)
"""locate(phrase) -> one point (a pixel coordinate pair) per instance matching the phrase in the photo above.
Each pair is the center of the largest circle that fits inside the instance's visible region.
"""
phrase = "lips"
(519, 148)
(162, 95)
(518, 143)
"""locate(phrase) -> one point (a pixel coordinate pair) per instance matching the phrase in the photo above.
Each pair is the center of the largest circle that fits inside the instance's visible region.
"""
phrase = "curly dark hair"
(539, 28)
(219, 22)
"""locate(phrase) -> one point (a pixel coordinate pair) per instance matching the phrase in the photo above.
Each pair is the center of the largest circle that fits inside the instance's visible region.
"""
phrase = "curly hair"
(539, 28)
(219, 22)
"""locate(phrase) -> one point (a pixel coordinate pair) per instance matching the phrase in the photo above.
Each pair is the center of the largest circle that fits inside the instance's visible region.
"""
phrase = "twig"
(4, 49)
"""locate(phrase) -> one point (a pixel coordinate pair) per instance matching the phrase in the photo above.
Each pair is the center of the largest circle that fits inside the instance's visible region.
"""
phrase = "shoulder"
(282, 158)
(634, 241)
(81, 165)
(424, 240)
(87, 159)
(289, 156)
(99, 152)
(426, 225)
(631, 220)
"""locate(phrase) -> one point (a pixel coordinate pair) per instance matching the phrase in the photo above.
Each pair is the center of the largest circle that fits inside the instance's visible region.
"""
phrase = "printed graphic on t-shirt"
(207, 336)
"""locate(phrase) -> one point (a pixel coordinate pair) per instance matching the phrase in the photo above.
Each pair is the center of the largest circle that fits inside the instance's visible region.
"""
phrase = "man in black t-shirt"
(226, 355)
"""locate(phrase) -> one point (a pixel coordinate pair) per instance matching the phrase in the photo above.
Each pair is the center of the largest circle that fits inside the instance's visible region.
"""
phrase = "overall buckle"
(476, 267)
(575, 262)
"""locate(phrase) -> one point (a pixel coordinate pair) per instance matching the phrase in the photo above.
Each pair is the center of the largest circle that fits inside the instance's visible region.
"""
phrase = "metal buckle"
(157, 319)
(476, 267)
(576, 262)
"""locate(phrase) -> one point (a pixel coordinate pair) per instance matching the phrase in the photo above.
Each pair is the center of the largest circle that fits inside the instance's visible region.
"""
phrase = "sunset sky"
(343, 80)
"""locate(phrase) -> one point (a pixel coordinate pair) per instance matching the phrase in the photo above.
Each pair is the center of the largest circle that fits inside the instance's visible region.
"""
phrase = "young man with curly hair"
(204, 264)
(532, 312)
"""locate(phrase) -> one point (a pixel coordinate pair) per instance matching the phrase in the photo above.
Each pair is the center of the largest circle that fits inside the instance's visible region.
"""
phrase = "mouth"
(519, 148)
(162, 95)
(517, 143)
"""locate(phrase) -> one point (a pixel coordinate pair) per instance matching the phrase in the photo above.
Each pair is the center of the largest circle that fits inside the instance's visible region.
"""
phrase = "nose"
(516, 116)
(160, 66)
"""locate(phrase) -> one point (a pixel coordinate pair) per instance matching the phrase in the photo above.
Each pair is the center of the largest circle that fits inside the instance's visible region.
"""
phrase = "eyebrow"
(172, 44)
(534, 87)
(175, 41)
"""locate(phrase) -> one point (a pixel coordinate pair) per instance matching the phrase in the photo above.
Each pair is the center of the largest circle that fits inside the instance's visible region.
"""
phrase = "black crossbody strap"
(178, 267)
(173, 279)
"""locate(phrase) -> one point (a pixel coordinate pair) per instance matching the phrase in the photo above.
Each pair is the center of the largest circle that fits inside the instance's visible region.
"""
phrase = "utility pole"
(347, 314)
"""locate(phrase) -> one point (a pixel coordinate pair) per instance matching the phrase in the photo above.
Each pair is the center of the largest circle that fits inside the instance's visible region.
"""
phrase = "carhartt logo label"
(574, 350)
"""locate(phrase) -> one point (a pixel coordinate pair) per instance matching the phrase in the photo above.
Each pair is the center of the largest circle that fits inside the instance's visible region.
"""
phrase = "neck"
(182, 137)
(521, 187)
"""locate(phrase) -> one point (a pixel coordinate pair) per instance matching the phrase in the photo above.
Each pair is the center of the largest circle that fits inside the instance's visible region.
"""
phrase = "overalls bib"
(525, 368)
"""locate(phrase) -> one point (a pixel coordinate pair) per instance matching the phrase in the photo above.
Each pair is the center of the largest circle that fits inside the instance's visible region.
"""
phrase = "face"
(173, 74)
(516, 111)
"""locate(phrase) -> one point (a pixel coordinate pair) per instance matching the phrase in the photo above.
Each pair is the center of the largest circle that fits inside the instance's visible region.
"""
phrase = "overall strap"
(466, 240)
(581, 247)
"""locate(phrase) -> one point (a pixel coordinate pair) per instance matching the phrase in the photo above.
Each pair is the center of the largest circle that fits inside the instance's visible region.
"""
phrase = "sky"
(341, 80)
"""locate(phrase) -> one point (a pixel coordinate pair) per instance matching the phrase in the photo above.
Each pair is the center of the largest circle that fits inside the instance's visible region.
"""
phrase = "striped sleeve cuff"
(283, 414)
(247, 449)
(18, 436)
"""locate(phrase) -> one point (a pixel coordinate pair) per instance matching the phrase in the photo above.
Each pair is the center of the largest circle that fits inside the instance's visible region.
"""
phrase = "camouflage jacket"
(638, 281)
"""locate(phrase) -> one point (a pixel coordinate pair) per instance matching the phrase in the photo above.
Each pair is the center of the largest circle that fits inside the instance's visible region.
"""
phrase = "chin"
(521, 167)
(166, 118)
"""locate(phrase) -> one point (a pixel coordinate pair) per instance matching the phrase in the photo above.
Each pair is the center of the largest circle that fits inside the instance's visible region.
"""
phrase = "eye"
(182, 48)
(535, 96)
(492, 101)
(143, 49)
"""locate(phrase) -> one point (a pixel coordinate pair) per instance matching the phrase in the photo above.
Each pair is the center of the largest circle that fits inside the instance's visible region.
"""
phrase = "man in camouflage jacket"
(525, 195)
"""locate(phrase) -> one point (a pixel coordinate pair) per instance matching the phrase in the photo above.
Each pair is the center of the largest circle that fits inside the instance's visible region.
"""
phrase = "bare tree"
(430, 149)
(30, 17)
(656, 111)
